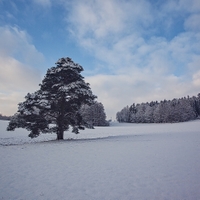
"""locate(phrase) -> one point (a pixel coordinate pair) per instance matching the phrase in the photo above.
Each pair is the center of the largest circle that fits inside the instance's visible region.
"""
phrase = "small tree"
(56, 105)
(94, 114)
(123, 115)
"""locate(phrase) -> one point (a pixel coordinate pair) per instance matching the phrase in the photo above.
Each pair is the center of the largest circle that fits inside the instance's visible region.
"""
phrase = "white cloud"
(145, 65)
(17, 43)
(99, 19)
(196, 79)
(17, 78)
(192, 23)
(118, 91)
(193, 66)
(189, 6)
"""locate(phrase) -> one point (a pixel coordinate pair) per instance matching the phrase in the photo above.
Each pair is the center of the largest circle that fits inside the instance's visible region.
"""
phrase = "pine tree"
(62, 92)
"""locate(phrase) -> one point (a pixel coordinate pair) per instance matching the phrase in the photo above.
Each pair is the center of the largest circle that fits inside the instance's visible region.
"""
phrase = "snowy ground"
(123, 161)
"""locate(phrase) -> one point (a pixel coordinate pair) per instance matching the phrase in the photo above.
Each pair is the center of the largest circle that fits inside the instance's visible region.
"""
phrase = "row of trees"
(176, 110)
(3, 117)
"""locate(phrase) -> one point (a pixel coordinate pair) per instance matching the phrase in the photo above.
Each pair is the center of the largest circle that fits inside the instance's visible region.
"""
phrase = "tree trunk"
(60, 135)
(60, 130)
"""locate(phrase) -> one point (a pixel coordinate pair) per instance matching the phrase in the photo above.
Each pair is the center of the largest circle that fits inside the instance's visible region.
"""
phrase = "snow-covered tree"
(123, 115)
(148, 115)
(176, 110)
(139, 116)
(198, 104)
(132, 113)
(94, 114)
(56, 105)
(188, 112)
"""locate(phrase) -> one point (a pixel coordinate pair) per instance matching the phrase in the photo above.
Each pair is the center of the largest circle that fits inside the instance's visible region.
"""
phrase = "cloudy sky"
(131, 51)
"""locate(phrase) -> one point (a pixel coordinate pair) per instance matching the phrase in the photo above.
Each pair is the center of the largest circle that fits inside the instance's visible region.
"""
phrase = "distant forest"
(167, 111)
(2, 117)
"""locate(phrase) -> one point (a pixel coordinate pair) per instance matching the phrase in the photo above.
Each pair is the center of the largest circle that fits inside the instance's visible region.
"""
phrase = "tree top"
(68, 62)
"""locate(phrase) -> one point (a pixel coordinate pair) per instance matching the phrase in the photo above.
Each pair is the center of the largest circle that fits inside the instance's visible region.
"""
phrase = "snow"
(123, 161)
(68, 63)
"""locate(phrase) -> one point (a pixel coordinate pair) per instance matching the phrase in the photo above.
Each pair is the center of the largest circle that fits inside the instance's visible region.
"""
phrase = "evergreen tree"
(62, 92)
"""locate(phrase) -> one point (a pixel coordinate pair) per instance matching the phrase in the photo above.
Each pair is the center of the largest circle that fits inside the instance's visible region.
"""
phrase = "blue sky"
(131, 51)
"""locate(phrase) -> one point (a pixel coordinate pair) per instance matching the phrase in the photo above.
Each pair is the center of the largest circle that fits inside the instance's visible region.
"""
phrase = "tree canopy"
(56, 105)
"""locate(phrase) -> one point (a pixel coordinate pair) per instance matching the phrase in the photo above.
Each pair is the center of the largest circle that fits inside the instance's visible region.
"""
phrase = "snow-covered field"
(123, 161)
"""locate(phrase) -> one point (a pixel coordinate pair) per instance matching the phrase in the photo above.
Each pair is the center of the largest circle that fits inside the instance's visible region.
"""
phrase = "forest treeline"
(167, 111)
(3, 117)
